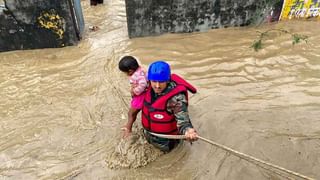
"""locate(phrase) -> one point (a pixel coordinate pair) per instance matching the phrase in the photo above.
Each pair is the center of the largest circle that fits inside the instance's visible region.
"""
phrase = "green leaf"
(257, 45)
(296, 38)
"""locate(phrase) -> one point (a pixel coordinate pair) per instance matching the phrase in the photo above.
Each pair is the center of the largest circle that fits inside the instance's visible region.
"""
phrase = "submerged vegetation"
(296, 38)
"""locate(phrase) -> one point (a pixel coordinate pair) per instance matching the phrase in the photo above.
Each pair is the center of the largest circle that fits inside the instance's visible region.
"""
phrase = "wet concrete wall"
(155, 17)
(29, 24)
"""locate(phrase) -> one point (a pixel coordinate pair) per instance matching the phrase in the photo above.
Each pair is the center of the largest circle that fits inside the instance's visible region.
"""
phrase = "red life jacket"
(155, 117)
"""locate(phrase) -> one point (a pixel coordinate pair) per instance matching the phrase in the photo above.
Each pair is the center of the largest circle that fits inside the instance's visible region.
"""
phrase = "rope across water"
(239, 154)
(236, 153)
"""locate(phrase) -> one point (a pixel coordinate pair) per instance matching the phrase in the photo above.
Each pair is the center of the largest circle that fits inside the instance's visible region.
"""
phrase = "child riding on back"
(138, 81)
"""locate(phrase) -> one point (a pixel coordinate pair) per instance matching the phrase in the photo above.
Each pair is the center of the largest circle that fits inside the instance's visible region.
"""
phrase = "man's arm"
(178, 106)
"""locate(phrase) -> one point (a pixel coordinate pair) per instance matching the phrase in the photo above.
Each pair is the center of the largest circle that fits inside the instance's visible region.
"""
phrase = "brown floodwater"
(62, 109)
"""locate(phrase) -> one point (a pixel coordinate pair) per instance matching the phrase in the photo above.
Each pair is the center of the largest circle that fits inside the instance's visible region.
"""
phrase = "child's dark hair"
(128, 62)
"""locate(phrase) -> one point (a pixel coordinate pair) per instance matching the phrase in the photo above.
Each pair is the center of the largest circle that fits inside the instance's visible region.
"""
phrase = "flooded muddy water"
(62, 109)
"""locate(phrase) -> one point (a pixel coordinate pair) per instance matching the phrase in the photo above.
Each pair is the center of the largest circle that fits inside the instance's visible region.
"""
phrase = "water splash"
(132, 152)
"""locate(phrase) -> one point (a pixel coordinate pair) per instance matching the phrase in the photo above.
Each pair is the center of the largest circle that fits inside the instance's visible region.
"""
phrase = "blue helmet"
(159, 71)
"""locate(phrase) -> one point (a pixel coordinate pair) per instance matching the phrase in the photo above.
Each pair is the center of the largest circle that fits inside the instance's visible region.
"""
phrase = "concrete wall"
(154, 17)
(29, 24)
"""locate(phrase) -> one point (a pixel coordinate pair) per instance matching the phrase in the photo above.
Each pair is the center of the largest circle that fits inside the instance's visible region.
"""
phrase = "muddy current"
(62, 109)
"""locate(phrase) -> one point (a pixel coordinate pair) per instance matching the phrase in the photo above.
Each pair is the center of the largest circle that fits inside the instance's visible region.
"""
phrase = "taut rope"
(237, 153)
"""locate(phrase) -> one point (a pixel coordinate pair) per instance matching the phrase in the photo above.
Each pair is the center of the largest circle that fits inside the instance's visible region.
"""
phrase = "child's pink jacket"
(139, 81)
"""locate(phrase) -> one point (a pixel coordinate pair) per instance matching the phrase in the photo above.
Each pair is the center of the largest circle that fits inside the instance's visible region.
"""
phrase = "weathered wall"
(155, 17)
(29, 24)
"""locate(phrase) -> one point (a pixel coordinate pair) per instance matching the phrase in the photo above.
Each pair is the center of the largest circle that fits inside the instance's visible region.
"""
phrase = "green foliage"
(296, 38)
(257, 45)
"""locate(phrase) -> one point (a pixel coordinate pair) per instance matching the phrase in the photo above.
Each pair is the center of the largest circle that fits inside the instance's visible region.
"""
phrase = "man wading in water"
(165, 108)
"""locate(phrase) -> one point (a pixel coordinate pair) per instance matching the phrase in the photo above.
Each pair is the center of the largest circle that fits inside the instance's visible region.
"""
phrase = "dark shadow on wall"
(275, 12)
(95, 2)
